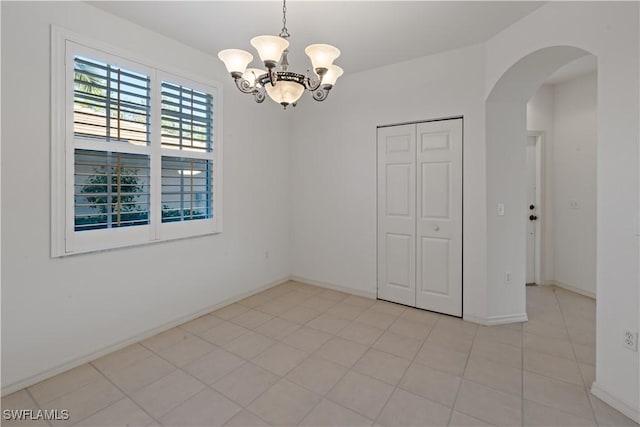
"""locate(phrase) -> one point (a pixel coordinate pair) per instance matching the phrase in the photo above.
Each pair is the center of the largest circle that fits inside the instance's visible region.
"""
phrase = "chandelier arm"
(243, 85)
(322, 92)
(259, 95)
(312, 84)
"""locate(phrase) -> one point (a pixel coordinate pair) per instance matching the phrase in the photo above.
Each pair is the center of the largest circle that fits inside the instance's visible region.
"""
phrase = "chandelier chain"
(284, 33)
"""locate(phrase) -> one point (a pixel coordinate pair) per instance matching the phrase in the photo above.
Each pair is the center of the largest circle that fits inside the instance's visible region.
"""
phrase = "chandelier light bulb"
(236, 60)
(269, 48)
(285, 92)
(322, 56)
(332, 74)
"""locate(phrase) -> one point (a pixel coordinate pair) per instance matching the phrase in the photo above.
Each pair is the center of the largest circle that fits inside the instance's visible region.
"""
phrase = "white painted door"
(439, 222)
(532, 206)
(396, 214)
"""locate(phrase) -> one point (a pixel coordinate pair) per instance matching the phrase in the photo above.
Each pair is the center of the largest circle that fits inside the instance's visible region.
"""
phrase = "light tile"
(540, 327)
(410, 328)
(546, 345)
(557, 394)
(458, 341)
(318, 303)
(317, 375)
(223, 333)
(588, 374)
(458, 419)
(407, 409)
(166, 339)
(398, 345)
(278, 328)
(124, 412)
(582, 336)
(207, 408)
(495, 375)
(139, 374)
(167, 393)
(361, 333)
(585, 353)
(501, 334)
(328, 323)
(606, 415)
(307, 339)
(553, 367)
(187, 351)
(329, 414)
(536, 414)
(245, 418)
(346, 310)
(421, 316)
(245, 383)
(249, 345)
(85, 401)
(383, 366)
(255, 300)
(121, 358)
(442, 359)
(64, 383)
(18, 401)
(251, 319)
(375, 318)
(214, 366)
(454, 326)
(361, 393)
(496, 352)
(432, 384)
(359, 301)
(274, 307)
(300, 315)
(285, 403)
(341, 351)
(333, 295)
(389, 308)
(230, 311)
(280, 358)
(489, 405)
(201, 324)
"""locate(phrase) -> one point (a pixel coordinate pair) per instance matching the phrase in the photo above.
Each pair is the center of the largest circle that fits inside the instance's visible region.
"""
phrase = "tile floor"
(302, 355)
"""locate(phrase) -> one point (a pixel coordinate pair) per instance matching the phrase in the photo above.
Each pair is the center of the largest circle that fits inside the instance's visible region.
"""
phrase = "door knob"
(436, 228)
(533, 217)
(532, 207)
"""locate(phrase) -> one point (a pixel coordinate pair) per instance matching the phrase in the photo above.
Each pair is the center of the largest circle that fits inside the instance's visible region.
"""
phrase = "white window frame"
(64, 239)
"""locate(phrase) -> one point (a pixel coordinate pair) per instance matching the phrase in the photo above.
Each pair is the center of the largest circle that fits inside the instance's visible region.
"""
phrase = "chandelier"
(282, 85)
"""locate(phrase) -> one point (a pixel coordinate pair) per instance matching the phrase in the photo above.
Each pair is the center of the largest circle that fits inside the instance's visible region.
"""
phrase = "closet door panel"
(397, 214)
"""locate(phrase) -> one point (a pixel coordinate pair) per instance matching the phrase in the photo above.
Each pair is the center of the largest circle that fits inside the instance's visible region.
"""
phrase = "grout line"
(36, 402)
(593, 412)
(466, 362)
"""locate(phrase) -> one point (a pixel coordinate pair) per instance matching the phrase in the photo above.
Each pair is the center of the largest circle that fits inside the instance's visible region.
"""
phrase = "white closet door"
(439, 222)
(397, 214)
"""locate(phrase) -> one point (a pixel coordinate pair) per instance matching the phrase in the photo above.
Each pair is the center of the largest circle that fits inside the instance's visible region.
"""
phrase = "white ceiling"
(370, 34)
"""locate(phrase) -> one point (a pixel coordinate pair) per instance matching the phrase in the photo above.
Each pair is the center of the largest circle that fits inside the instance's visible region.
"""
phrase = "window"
(136, 151)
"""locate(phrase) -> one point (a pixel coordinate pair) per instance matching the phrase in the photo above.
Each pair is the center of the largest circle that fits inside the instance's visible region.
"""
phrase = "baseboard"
(496, 320)
(48, 373)
(571, 288)
(352, 291)
(625, 407)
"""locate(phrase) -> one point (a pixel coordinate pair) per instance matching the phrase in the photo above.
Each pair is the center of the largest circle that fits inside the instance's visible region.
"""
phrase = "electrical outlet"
(507, 277)
(573, 204)
(500, 209)
(631, 340)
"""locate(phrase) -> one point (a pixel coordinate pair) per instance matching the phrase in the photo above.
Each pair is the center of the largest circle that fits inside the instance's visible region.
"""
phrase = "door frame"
(461, 117)
(539, 150)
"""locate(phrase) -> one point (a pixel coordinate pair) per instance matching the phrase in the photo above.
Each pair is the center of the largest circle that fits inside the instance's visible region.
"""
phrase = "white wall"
(567, 113)
(608, 30)
(334, 166)
(575, 151)
(55, 311)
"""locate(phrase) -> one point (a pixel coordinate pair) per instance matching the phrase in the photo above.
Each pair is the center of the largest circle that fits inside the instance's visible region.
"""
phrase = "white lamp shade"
(333, 72)
(285, 92)
(269, 48)
(236, 60)
(251, 75)
(322, 55)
